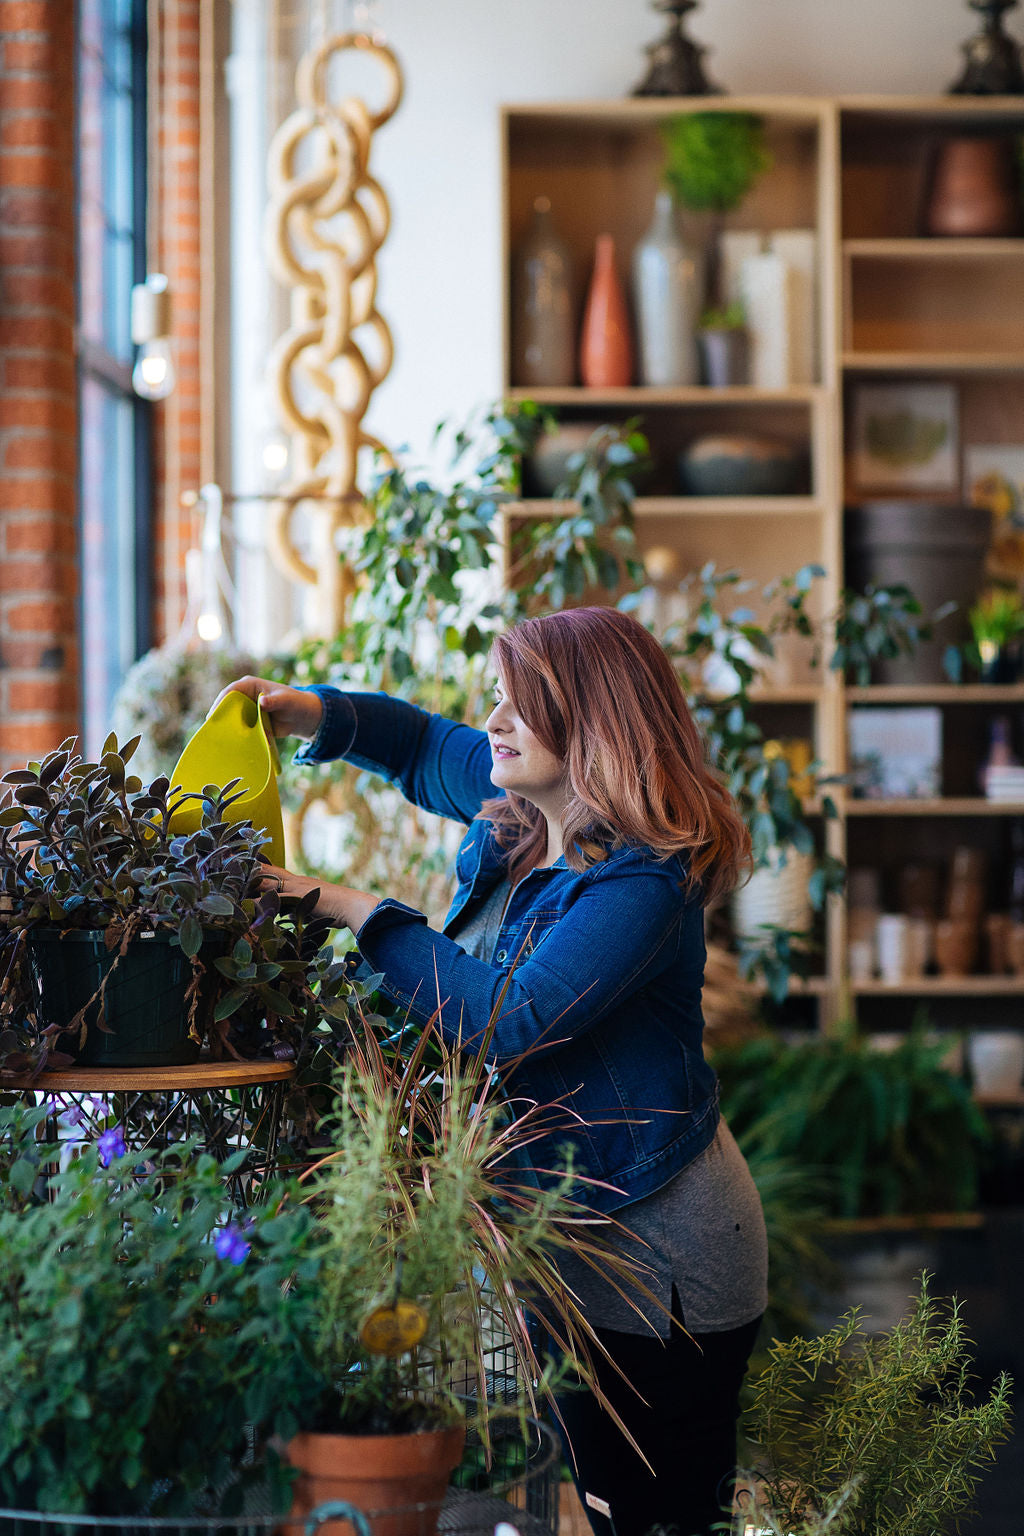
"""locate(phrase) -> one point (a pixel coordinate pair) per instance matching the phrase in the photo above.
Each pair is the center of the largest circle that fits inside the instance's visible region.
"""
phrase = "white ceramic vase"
(665, 300)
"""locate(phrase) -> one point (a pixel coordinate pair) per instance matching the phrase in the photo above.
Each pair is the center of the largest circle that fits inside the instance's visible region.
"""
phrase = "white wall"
(438, 157)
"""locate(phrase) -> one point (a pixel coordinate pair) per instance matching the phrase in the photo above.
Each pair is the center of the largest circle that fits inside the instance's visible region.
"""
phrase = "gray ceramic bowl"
(740, 466)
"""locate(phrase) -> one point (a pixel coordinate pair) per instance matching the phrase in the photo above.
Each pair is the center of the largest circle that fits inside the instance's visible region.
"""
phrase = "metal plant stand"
(521, 1486)
(230, 1106)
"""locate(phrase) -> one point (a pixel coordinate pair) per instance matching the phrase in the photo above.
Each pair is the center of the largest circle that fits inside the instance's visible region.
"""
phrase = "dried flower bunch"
(89, 846)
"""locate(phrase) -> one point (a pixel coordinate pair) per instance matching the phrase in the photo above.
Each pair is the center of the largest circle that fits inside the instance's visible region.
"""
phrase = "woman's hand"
(339, 904)
(290, 711)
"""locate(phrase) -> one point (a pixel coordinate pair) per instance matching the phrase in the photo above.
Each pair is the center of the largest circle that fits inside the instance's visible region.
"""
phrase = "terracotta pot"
(385, 1476)
(956, 946)
(974, 189)
(606, 343)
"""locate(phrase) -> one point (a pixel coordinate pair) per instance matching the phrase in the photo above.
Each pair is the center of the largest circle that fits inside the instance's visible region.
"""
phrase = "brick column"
(181, 462)
(38, 412)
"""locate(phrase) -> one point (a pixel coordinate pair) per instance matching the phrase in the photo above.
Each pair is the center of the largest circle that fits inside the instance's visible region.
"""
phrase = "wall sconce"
(153, 374)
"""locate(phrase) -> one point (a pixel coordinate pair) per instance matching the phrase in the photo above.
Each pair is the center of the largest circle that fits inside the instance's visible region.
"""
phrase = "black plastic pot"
(143, 1006)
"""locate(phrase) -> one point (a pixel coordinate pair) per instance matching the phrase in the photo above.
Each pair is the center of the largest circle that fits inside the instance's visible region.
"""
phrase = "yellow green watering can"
(230, 744)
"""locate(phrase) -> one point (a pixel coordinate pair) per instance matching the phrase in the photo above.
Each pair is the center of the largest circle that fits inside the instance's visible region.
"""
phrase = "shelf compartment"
(956, 304)
(888, 148)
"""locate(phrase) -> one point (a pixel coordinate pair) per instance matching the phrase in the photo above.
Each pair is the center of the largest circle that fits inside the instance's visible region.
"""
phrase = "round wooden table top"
(201, 1074)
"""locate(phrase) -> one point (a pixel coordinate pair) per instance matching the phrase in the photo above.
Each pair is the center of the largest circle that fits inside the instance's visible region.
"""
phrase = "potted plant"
(997, 622)
(345, 1320)
(878, 1434)
(112, 925)
(712, 159)
(890, 1132)
(432, 1228)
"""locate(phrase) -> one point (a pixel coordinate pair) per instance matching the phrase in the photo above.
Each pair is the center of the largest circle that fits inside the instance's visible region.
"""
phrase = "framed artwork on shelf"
(904, 437)
(896, 754)
(994, 478)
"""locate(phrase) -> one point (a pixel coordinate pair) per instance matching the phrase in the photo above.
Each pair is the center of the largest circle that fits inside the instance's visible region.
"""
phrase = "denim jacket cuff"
(337, 728)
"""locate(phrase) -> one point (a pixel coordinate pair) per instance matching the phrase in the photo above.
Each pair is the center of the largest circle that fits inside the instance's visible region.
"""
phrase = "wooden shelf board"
(973, 805)
(942, 986)
(1000, 1100)
(644, 109)
(934, 248)
(933, 362)
(684, 506)
(797, 693)
(928, 106)
(677, 394)
(930, 1220)
(212, 1074)
(938, 693)
(799, 986)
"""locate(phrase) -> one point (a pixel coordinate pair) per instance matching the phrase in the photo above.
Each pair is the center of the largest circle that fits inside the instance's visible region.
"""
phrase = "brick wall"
(181, 462)
(38, 569)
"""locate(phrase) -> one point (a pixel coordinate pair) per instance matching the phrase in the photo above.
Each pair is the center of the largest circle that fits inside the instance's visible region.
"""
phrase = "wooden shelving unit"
(891, 304)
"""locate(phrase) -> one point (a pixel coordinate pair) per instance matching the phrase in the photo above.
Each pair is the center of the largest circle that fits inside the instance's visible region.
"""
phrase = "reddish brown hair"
(598, 691)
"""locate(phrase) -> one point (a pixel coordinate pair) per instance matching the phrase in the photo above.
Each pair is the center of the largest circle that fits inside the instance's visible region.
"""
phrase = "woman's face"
(521, 763)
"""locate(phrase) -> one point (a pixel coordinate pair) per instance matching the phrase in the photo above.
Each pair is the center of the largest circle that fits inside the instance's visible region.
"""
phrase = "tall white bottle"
(665, 295)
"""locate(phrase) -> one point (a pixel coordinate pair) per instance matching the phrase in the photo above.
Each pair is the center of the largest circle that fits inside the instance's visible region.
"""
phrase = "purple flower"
(111, 1144)
(229, 1243)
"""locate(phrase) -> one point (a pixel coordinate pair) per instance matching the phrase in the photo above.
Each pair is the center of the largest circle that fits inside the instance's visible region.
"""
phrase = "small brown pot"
(385, 1476)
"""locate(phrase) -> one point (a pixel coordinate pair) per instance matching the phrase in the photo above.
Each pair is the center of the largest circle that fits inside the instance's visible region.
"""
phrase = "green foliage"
(88, 846)
(144, 1322)
(875, 1434)
(712, 159)
(730, 317)
(878, 624)
(997, 617)
(728, 644)
(131, 1354)
(554, 561)
(890, 1131)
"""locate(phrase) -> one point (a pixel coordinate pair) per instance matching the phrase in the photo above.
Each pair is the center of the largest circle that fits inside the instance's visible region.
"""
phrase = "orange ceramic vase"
(606, 343)
(385, 1476)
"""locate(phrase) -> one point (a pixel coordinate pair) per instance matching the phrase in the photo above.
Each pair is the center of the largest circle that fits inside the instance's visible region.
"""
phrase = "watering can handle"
(336, 1509)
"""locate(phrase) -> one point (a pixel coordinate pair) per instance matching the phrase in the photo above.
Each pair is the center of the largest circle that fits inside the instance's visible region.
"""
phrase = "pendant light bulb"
(153, 374)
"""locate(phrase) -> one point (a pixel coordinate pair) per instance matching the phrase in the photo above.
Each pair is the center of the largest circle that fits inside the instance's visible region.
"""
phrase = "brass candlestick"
(676, 62)
(993, 65)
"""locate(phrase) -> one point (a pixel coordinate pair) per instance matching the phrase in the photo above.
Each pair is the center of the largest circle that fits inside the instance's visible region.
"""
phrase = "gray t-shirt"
(702, 1233)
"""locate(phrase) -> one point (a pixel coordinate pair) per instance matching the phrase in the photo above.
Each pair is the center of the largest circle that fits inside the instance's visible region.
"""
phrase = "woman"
(596, 836)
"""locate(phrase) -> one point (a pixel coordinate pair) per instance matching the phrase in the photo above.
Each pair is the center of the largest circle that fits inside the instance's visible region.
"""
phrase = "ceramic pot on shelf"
(543, 319)
(665, 300)
(606, 341)
(974, 188)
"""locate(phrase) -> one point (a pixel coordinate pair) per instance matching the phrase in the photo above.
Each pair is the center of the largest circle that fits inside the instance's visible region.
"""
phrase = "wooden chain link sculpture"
(325, 224)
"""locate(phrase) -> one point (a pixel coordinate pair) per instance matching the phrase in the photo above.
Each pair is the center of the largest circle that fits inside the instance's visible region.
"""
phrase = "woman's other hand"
(290, 711)
(339, 904)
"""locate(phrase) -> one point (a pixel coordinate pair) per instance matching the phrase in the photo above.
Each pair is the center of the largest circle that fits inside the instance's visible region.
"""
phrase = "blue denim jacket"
(606, 965)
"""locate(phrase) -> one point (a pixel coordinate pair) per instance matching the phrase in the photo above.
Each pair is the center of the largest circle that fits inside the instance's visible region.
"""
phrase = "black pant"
(687, 1431)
